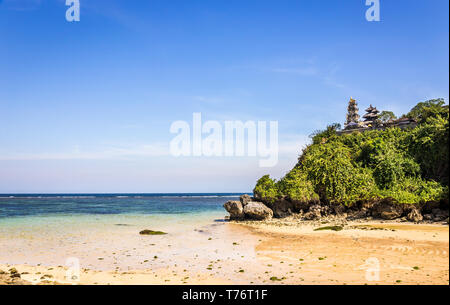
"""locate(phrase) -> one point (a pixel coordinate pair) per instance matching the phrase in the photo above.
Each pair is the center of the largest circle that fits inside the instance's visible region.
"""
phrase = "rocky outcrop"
(386, 209)
(257, 211)
(235, 209)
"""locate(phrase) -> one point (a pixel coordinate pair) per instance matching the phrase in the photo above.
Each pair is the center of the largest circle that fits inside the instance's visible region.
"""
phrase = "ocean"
(29, 205)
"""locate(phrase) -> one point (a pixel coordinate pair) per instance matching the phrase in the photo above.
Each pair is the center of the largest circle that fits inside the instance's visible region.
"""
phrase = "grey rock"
(245, 199)
(235, 209)
(257, 211)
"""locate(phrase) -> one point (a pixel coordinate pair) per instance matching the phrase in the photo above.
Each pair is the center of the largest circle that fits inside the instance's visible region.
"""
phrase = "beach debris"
(330, 228)
(151, 232)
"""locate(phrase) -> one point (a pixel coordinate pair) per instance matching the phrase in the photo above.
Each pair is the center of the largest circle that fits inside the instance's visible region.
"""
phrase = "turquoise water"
(51, 205)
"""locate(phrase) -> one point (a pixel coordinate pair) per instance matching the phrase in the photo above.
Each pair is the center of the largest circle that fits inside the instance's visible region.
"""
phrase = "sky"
(87, 106)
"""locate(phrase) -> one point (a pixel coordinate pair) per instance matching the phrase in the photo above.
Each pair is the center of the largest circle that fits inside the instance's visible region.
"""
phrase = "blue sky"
(87, 106)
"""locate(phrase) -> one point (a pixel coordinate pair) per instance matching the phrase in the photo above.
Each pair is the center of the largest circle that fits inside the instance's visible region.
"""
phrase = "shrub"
(415, 190)
(296, 187)
(333, 173)
(266, 190)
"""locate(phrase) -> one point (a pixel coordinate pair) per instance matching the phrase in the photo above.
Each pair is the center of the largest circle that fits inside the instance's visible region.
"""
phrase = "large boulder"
(257, 211)
(235, 209)
(283, 208)
(387, 209)
(245, 199)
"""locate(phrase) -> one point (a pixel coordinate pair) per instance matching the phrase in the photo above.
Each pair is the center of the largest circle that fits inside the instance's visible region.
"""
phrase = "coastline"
(279, 251)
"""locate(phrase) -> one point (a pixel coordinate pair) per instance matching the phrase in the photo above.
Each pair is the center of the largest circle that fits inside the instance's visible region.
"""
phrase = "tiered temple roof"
(371, 115)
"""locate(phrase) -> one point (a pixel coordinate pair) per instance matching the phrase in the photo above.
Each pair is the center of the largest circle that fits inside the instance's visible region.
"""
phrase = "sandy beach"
(208, 251)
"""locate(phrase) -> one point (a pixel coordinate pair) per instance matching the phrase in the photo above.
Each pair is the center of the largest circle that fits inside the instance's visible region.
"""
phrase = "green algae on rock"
(151, 232)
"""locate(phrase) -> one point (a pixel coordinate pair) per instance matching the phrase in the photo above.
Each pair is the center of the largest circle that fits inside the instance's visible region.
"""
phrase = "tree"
(319, 135)
(386, 116)
(431, 108)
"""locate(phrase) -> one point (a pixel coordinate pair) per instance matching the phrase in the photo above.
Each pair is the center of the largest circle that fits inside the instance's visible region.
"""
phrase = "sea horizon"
(70, 204)
(107, 194)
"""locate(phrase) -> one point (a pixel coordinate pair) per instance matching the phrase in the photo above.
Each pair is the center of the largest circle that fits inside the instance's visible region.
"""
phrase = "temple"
(371, 120)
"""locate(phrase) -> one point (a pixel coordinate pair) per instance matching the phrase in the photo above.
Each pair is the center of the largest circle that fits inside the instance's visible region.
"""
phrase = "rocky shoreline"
(252, 208)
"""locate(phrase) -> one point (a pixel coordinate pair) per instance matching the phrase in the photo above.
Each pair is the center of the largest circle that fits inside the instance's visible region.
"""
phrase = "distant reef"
(393, 173)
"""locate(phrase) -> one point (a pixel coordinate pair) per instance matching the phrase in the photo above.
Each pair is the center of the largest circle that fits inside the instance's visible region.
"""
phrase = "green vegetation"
(151, 232)
(406, 165)
(330, 228)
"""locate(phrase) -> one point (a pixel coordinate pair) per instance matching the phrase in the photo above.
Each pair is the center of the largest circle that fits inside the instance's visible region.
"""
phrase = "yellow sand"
(262, 253)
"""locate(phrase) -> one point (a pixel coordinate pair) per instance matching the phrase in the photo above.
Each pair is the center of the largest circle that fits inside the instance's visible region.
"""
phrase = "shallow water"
(103, 232)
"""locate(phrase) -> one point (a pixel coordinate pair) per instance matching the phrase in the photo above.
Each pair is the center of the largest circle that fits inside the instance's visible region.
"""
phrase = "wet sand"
(217, 252)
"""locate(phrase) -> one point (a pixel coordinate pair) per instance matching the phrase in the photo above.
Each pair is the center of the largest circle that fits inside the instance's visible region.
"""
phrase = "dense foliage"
(408, 165)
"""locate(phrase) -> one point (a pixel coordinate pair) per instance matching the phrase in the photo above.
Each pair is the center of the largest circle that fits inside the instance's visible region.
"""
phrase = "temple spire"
(352, 113)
